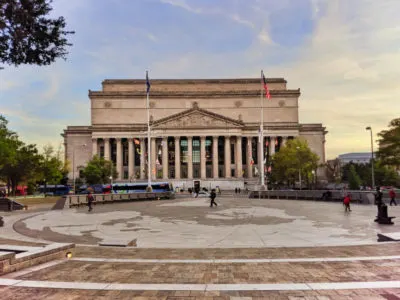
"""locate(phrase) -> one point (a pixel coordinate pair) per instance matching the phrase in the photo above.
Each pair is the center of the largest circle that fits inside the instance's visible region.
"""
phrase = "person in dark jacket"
(213, 195)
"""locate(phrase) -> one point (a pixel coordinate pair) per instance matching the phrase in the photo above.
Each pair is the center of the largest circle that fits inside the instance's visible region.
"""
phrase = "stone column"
(272, 146)
(177, 158)
(190, 160)
(227, 157)
(203, 172)
(94, 147)
(107, 149)
(119, 158)
(284, 140)
(142, 158)
(249, 156)
(238, 160)
(215, 156)
(131, 159)
(153, 156)
(165, 157)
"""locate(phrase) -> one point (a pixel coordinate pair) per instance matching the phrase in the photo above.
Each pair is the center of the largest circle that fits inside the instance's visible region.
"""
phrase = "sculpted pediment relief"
(196, 119)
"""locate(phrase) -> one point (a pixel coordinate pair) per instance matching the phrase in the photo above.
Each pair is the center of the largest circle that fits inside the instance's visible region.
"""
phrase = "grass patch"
(33, 201)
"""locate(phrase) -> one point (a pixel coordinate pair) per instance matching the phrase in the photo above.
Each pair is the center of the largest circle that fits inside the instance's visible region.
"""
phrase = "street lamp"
(73, 165)
(298, 148)
(372, 157)
(111, 182)
(313, 178)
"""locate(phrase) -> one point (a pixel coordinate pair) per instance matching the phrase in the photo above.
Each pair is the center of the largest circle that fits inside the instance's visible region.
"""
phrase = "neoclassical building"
(201, 129)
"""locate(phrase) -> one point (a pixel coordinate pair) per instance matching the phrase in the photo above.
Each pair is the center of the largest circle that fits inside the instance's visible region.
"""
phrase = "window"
(196, 151)
(184, 151)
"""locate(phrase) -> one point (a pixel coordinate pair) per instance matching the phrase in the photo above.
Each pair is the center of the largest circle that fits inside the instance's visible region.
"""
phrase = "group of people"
(378, 199)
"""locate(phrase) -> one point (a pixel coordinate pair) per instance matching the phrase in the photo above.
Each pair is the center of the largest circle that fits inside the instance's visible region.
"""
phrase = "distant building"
(355, 157)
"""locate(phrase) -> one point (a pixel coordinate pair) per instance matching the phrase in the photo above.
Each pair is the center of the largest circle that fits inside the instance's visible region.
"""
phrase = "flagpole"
(262, 132)
(148, 136)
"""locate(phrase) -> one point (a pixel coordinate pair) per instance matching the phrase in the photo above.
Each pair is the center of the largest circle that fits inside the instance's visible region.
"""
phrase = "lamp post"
(111, 182)
(73, 165)
(298, 148)
(313, 177)
(372, 157)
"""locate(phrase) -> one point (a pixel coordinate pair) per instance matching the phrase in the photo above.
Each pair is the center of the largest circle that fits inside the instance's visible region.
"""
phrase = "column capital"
(164, 138)
(177, 137)
(215, 137)
(203, 138)
(189, 137)
(118, 139)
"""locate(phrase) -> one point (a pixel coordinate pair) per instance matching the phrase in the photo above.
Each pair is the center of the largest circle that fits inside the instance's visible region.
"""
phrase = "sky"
(343, 55)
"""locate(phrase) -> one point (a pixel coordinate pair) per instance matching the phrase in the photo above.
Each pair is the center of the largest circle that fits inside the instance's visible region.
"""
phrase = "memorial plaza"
(183, 249)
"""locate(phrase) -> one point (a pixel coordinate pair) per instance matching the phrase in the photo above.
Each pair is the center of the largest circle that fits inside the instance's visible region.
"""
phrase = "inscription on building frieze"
(107, 104)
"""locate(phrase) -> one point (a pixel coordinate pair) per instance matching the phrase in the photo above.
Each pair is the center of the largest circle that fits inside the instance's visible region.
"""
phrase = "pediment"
(197, 118)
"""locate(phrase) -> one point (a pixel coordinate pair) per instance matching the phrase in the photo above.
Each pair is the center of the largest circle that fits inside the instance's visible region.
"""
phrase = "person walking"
(346, 203)
(90, 200)
(213, 195)
(392, 196)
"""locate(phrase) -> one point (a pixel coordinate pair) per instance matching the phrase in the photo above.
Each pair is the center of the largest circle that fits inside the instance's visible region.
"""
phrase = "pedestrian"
(236, 190)
(346, 202)
(392, 196)
(239, 190)
(90, 200)
(213, 195)
(378, 197)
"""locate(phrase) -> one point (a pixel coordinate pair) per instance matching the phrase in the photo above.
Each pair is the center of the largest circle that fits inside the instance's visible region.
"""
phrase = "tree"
(99, 170)
(389, 144)
(296, 157)
(354, 179)
(53, 170)
(28, 35)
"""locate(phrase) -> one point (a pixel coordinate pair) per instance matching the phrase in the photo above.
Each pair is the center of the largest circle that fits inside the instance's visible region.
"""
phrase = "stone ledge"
(11, 262)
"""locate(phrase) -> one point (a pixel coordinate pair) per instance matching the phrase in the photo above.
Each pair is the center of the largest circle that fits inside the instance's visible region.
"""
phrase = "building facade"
(204, 130)
(355, 157)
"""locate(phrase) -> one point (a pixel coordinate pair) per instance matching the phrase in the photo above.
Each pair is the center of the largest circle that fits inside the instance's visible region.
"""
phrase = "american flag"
(267, 94)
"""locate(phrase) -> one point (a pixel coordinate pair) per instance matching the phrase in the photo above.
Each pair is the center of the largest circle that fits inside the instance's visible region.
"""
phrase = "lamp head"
(368, 128)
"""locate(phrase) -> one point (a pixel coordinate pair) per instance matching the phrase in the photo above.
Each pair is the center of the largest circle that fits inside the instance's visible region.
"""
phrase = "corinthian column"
(215, 157)
(119, 158)
(131, 160)
(177, 158)
(190, 160)
(94, 147)
(107, 149)
(227, 157)
(142, 158)
(272, 146)
(249, 157)
(165, 157)
(153, 156)
(238, 160)
(202, 157)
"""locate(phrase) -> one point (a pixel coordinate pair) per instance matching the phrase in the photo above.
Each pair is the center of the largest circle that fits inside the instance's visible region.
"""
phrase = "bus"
(95, 189)
(127, 188)
(54, 190)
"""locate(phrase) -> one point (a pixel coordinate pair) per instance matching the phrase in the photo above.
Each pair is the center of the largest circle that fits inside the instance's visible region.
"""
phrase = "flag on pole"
(147, 83)
(269, 169)
(276, 142)
(266, 143)
(136, 141)
(267, 94)
(251, 161)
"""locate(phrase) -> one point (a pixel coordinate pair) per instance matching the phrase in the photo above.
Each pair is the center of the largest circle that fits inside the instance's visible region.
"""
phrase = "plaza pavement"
(243, 249)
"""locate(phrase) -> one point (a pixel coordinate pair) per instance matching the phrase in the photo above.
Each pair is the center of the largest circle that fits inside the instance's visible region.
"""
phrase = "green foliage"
(28, 35)
(52, 169)
(354, 179)
(294, 157)
(384, 175)
(389, 144)
(98, 170)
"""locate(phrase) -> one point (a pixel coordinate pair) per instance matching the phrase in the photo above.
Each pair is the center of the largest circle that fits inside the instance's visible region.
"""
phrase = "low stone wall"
(12, 262)
(365, 197)
(78, 200)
